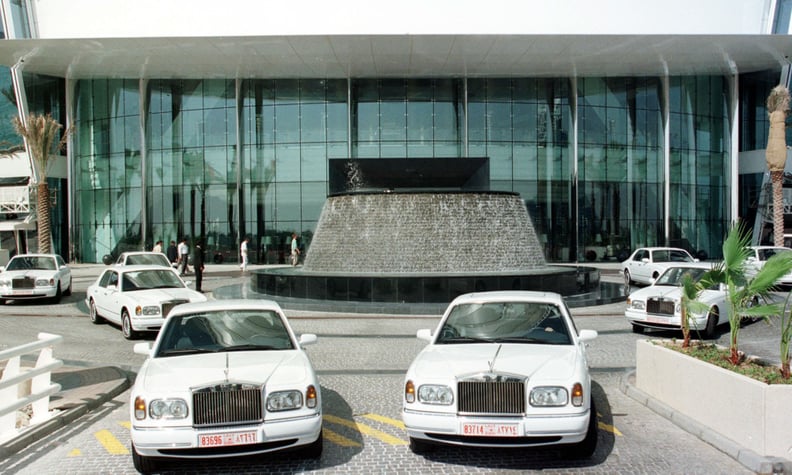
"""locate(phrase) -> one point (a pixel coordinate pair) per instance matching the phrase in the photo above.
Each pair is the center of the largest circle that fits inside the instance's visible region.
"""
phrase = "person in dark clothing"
(198, 264)
(172, 253)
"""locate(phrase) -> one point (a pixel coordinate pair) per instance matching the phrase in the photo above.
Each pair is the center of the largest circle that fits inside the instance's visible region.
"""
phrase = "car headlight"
(435, 394)
(147, 310)
(549, 396)
(167, 409)
(636, 304)
(5, 282)
(45, 282)
(284, 401)
(678, 308)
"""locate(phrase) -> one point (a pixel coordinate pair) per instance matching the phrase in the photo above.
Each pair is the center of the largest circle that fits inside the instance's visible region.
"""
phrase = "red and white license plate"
(491, 430)
(228, 438)
(653, 319)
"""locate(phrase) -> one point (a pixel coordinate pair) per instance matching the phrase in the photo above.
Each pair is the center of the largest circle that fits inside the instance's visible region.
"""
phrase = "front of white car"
(500, 394)
(208, 400)
(148, 308)
(659, 306)
(31, 276)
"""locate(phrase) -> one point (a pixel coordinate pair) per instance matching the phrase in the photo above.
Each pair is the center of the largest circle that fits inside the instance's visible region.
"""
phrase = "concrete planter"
(753, 414)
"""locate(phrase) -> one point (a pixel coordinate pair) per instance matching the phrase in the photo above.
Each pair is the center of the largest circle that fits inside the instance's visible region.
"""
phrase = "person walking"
(184, 256)
(243, 254)
(198, 264)
(173, 253)
(295, 250)
(157, 247)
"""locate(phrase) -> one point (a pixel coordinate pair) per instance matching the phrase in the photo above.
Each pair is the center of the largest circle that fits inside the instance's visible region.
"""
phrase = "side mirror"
(307, 339)
(645, 260)
(142, 349)
(696, 259)
(587, 335)
(424, 334)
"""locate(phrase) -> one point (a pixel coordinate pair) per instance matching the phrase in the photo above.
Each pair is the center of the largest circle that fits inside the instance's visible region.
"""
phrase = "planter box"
(756, 415)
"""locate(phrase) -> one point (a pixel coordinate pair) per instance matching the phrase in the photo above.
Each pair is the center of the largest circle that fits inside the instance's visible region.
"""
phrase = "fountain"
(412, 250)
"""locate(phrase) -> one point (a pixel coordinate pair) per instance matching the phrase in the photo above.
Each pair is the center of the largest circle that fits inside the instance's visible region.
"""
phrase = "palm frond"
(767, 278)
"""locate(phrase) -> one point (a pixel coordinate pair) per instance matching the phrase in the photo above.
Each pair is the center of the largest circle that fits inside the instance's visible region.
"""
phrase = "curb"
(748, 458)
(65, 417)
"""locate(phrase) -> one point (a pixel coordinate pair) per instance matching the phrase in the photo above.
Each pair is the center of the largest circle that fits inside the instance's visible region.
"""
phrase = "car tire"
(143, 464)
(586, 447)
(96, 319)
(68, 292)
(314, 449)
(712, 324)
(421, 447)
(638, 329)
(126, 326)
(627, 278)
(58, 294)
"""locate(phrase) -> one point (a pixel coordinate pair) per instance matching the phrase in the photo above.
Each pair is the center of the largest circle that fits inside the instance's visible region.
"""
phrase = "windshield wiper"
(249, 348)
(519, 339)
(465, 339)
(186, 351)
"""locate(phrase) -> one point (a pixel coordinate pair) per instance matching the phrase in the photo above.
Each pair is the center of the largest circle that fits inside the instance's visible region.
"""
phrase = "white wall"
(184, 18)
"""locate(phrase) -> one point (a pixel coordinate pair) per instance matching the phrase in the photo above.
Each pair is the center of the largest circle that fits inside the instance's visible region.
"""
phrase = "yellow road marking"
(609, 428)
(339, 439)
(364, 429)
(110, 443)
(385, 420)
(126, 424)
(74, 453)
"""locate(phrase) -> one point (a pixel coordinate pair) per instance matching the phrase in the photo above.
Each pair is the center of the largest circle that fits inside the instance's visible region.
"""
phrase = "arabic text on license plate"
(228, 438)
(491, 430)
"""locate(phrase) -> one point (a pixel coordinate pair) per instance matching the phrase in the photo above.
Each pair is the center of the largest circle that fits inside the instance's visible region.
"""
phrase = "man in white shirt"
(243, 253)
(184, 256)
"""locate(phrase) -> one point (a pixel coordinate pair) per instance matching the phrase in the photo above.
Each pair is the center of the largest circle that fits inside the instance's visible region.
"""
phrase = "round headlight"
(544, 396)
(435, 394)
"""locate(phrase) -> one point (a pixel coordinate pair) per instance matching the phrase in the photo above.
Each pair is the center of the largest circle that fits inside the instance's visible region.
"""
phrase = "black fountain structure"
(381, 246)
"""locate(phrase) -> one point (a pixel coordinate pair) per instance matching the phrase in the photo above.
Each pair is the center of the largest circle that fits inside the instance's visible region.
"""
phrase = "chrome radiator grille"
(23, 283)
(491, 397)
(660, 307)
(227, 404)
(168, 306)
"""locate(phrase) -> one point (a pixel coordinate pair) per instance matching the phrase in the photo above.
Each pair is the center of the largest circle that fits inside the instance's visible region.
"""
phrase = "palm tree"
(690, 291)
(40, 132)
(744, 293)
(776, 153)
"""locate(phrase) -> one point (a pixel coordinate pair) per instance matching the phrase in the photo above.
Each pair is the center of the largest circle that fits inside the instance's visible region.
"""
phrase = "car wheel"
(627, 278)
(58, 294)
(586, 447)
(712, 324)
(314, 449)
(143, 464)
(96, 319)
(67, 293)
(126, 326)
(638, 329)
(421, 447)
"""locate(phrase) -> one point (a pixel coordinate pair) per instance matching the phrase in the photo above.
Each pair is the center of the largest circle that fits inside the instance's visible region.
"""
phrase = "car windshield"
(31, 263)
(148, 260)
(224, 330)
(673, 276)
(671, 255)
(505, 322)
(150, 279)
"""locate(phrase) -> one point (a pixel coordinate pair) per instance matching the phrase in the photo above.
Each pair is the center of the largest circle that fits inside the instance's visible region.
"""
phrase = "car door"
(638, 267)
(106, 296)
(64, 273)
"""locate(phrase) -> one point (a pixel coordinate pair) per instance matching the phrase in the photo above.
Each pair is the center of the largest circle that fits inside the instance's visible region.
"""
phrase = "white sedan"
(137, 297)
(758, 256)
(225, 378)
(132, 258)
(647, 263)
(659, 305)
(502, 369)
(32, 276)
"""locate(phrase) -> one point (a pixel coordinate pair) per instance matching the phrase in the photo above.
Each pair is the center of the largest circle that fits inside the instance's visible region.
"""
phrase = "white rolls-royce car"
(647, 263)
(33, 276)
(137, 297)
(659, 305)
(502, 369)
(225, 378)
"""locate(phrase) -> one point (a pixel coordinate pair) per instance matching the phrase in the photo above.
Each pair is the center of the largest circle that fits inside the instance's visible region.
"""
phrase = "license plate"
(23, 291)
(657, 319)
(228, 438)
(491, 430)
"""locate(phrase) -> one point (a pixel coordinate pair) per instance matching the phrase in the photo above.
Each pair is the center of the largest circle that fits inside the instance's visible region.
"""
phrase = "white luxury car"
(758, 256)
(137, 297)
(647, 263)
(503, 369)
(141, 258)
(32, 276)
(225, 378)
(658, 306)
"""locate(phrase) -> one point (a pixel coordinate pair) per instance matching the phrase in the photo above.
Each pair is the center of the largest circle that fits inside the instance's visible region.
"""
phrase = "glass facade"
(221, 159)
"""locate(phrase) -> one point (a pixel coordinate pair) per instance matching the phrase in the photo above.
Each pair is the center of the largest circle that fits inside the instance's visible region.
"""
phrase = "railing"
(14, 199)
(14, 394)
